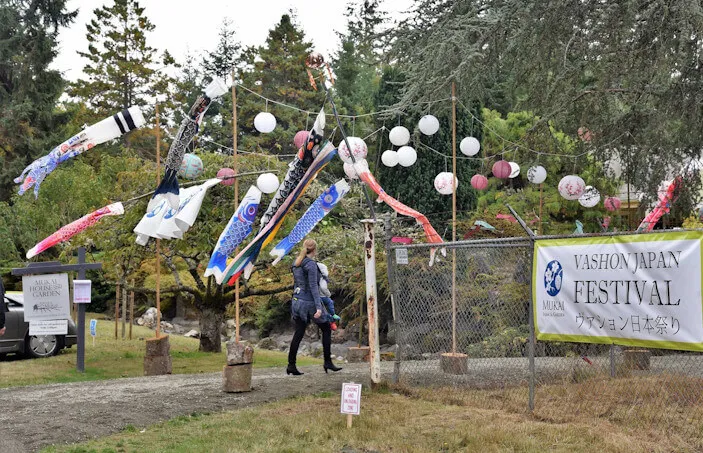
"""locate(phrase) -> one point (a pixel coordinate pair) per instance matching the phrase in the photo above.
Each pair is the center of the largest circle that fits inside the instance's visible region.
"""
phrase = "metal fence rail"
(494, 331)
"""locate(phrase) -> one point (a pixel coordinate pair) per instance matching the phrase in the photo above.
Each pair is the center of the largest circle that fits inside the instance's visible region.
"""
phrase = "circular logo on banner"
(552, 277)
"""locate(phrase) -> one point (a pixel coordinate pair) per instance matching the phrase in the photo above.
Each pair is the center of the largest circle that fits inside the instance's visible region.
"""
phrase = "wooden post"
(541, 202)
(236, 196)
(349, 420)
(124, 308)
(117, 306)
(454, 217)
(158, 241)
(131, 310)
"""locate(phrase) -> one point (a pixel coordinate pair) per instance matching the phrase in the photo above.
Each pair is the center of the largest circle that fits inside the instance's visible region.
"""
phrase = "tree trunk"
(210, 322)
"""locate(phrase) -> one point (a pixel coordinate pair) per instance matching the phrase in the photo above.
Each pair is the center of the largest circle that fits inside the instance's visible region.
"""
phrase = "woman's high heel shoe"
(293, 370)
(330, 366)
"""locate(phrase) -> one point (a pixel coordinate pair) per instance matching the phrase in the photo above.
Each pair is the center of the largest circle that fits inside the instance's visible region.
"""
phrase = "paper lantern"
(584, 134)
(350, 169)
(501, 169)
(428, 125)
(226, 173)
(613, 168)
(470, 146)
(389, 158)
(267, 182)
(358, 149)
(264, 122)
(399, 136)
(571, 187)
(536, 174)
(314, 60)
(479, 182)
(443, 183)
(191, 166)
(407, 156)
(590, 197)
(300, 138)
(612, 203)
(514, 170)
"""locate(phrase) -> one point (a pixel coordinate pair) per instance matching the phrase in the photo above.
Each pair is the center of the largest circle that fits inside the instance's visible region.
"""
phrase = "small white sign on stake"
(50, 327)
(81, 291)
(351, 400)
(401, 256)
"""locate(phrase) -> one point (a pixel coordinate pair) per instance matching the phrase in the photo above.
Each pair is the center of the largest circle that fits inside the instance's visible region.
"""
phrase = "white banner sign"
(351, 398)
(636, 290)
(46, 297)
(53, 327)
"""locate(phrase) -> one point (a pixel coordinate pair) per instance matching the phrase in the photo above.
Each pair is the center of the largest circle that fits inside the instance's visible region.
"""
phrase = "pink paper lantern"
(502, 169)
(300, 138)
(225, 173)
(612, 203)
(479, 182)
(571, 187)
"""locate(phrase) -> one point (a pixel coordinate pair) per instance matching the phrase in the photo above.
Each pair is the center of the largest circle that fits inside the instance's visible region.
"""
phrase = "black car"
(17, 338)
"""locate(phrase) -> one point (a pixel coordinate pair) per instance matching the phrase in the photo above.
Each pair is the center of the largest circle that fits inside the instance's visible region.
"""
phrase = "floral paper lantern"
(470, 146)
(514, 170)
(571, 187)
(501, 169)
(536, 174)
(590, 197)
(399, 136)
(443, 183)
(479, 182)
(407, 156)
(264, 122)
(300, 139)
(351, 172)
(226, 173)
(267, 182)
(612, 203)
(428, 125)
(191, 166)
(358, 149)
(389, 158)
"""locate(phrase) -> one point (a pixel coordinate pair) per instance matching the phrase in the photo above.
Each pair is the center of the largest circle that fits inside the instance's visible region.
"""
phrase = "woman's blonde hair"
(308, 247)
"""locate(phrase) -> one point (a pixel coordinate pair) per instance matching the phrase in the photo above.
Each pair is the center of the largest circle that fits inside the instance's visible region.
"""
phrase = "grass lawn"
(111, 358)
(388, 422)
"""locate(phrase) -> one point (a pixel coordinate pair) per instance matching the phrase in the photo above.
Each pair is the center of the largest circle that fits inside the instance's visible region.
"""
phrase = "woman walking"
(307, 305)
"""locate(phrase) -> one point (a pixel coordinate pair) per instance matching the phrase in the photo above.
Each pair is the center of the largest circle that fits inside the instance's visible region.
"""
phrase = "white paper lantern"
(470, 146)
(267, 182)
(514, 170)
(359, 149)
(350, 169)
(389, 158)
(590, 197)
(428, 125)
(536, 174)
(407, 156)
(264, 122)
(443, 183)
(399, 136)
(571, 187)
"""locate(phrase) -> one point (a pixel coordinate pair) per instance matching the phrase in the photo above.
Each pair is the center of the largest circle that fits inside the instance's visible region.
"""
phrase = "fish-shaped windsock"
(297, 168)
(107, 129)
(237, 229)
(73, 228)
(430, 233)
(244, 261)
(168, 188)
(663, 206)
(316, 212)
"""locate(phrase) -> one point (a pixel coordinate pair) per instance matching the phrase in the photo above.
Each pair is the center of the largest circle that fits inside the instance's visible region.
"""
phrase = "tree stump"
(454, 363)
(360, 354)
(157, 360)
(236, 375)
(637, 359)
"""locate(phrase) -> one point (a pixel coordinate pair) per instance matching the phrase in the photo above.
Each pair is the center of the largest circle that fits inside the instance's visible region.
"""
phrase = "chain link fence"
(486, 342)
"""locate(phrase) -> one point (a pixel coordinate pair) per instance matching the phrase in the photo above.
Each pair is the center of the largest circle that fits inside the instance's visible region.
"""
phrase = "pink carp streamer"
(65, 233)
(430, 233)
(664, 205)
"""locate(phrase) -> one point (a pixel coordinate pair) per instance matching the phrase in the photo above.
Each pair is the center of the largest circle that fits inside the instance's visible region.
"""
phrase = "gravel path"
(34, 417)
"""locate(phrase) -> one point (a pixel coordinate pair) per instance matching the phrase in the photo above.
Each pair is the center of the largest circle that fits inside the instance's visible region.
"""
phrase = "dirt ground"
(37, 416)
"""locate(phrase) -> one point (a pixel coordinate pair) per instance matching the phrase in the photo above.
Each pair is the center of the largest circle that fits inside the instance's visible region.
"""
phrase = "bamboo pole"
(454, 217)
(131, 310)
(117, 306)
(158, 241)
(236, 196)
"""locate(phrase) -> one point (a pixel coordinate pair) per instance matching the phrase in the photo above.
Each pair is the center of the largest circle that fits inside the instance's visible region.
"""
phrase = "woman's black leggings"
(300, 327)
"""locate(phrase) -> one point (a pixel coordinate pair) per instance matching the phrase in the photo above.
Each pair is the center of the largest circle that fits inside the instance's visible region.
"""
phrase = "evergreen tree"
(122, 68)
(221, 61)
(29, 124)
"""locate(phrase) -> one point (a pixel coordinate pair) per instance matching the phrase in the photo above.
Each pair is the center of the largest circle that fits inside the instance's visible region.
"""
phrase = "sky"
(176, 22)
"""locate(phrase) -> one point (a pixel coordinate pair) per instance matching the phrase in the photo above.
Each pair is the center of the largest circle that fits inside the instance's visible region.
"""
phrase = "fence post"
(372, 300)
